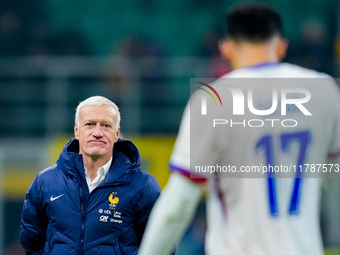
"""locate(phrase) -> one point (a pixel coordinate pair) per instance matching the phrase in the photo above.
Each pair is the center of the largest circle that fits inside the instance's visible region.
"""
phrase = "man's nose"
(97, 131)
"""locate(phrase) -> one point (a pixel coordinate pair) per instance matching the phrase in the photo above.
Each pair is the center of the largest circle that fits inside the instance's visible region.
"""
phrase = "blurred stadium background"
(140, 54)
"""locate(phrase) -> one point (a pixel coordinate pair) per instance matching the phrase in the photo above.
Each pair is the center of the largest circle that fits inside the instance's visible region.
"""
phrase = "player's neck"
(250, 54)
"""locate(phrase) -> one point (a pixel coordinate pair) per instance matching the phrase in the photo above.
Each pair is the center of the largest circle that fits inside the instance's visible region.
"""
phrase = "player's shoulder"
(295, 71)
(275, 70)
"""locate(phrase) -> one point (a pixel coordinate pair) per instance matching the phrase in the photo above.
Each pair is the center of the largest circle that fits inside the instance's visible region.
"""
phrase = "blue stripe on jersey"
(266, 65)
(193, 177)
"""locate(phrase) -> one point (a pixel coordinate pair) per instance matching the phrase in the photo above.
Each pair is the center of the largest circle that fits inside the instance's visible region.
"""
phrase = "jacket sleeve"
(33, 221)
(148, 196)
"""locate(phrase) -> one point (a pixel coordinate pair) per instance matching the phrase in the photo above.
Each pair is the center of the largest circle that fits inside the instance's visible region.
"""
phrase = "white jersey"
(264, 216)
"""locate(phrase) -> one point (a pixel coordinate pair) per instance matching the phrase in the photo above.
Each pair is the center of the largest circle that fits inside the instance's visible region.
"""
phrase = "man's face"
(96, 131)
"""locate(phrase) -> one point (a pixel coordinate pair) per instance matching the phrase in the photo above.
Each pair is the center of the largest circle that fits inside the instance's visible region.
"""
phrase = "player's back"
(269, 215)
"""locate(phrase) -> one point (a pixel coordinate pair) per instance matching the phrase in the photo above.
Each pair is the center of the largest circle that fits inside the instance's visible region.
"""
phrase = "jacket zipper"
(83, 216)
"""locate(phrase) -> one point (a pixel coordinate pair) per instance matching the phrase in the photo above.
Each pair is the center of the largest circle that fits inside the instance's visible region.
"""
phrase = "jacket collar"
(126, 159)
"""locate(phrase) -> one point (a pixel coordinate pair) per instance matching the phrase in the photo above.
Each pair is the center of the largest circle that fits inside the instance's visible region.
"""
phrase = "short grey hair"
(97, 100)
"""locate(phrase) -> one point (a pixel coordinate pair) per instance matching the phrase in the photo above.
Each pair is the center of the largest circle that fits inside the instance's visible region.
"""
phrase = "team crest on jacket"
(113, 199)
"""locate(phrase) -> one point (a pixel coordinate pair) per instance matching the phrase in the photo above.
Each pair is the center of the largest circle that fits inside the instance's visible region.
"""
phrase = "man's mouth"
(97, 142)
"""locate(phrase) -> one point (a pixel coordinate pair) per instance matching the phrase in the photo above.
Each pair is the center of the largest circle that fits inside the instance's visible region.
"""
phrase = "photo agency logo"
(276, 108)
(204, 99)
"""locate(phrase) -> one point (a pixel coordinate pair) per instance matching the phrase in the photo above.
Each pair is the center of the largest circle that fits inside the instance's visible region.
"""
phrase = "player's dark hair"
(253, 22)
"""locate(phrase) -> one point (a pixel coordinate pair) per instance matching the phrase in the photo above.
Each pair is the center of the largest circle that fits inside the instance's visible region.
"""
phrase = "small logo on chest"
(113, 200)
(55, 198)
(103, 218)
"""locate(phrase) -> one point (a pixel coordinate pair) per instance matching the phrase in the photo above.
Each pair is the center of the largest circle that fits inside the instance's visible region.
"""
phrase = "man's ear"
(117, 134)
(76, 131)
(281, 49)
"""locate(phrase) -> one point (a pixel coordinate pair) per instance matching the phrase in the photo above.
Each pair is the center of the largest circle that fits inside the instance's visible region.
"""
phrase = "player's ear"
(76, 131)
(225, 47)
(281, 48)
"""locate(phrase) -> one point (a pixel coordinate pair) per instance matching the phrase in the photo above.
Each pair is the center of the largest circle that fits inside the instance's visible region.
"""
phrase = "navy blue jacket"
(61, 217)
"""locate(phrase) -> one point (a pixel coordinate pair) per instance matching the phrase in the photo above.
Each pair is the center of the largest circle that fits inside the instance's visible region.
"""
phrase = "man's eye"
(107, 125)
(89, 124)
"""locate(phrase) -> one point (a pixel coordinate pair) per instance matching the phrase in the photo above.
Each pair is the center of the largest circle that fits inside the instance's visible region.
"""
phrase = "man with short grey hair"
(96, 199)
